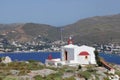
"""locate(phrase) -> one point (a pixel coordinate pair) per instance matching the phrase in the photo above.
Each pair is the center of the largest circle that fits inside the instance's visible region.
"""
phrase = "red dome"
(70, 41)
(49, 57)
(83, 53)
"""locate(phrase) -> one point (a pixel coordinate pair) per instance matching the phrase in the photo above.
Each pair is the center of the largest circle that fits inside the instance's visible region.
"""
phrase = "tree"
(97, 58)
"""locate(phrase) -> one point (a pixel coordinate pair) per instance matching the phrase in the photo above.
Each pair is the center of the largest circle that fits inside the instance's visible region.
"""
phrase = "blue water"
(112, 58)
(41, 56)
(38, 56)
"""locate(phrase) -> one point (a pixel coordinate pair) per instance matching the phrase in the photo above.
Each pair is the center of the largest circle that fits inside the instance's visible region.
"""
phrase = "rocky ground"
(96, 73)
(37, 71)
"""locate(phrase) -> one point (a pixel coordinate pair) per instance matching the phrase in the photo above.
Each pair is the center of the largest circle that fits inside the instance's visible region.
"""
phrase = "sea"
(42, 56)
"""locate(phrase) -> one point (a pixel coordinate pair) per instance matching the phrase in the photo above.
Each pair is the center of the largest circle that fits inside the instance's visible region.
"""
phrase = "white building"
(75, 55)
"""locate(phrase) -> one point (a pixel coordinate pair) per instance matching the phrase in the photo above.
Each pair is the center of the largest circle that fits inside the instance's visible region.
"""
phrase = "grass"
(118, 73)
(85, 74)
(70, 78)
(10, 78)
(55, 76)
(23, 67)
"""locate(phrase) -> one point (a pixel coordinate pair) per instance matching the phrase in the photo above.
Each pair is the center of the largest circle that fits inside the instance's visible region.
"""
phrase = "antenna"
(61, 34)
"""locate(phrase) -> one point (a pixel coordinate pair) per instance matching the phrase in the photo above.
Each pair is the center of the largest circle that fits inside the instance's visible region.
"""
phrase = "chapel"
(73, 54)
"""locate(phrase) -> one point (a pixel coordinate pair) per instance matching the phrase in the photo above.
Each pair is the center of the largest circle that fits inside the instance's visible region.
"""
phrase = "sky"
(55, 12)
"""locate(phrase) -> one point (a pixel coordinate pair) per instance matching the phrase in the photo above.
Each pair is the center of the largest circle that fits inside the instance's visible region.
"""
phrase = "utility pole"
(61, 34)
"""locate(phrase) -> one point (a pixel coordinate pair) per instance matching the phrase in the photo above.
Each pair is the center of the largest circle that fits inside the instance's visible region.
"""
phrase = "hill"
(98, 29)
(49, 32)
(29, 31)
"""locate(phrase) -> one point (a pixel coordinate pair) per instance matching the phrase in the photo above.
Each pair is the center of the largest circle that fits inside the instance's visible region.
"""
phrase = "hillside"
(43, 30)
(95, 29)
(99, 29)
(11, 31)
(29, 31)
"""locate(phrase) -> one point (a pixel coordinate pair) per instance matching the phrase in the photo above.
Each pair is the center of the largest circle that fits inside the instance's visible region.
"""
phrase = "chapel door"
(66, 55)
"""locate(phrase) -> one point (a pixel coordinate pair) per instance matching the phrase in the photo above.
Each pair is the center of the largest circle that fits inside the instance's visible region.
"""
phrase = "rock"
(6, 59)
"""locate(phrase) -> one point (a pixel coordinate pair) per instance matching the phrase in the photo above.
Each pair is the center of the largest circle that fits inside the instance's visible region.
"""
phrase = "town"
(43, 45)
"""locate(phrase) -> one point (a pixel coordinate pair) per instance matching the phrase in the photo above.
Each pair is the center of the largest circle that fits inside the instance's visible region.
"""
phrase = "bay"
(25, 56)
(112, 58)
(41, 56)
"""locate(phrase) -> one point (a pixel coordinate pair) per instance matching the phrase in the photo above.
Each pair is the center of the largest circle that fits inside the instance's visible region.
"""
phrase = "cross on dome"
(70, 41)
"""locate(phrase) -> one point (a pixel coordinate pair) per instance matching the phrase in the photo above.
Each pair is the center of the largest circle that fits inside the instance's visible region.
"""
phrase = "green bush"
(85, 74)
(70, 78)
(1, 78)
(117, 72)
(10, 78)
(38, 77)
(54, 76)
(69, 70)
(106, 78)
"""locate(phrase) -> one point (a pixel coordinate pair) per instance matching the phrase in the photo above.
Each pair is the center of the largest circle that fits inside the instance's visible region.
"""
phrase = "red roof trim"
(83, 53)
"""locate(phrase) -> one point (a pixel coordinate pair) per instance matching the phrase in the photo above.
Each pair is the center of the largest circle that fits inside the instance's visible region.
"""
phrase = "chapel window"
(86, 57)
